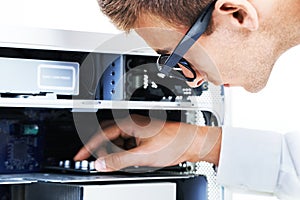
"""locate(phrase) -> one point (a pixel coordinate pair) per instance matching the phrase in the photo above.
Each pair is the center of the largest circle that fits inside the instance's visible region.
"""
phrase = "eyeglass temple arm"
(193, 34)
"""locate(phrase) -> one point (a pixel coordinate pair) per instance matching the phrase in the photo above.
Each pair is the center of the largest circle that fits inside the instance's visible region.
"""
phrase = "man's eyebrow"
(163, 51)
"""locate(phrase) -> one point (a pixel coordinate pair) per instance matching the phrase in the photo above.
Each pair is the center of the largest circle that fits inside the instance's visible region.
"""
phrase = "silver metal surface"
(96, 104)
(12, 180)
(67, 40)
(71, 178)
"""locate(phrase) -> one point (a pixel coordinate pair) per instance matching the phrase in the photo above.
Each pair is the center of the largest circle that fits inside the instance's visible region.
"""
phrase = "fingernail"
(100, 165)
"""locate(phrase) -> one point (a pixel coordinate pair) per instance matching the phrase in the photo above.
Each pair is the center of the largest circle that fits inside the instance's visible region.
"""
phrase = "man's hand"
(139, 141)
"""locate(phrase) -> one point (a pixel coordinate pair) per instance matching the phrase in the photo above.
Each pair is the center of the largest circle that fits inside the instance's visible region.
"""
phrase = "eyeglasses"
(170, 65)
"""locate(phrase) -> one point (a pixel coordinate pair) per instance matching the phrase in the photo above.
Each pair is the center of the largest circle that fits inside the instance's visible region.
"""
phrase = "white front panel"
(145, 191)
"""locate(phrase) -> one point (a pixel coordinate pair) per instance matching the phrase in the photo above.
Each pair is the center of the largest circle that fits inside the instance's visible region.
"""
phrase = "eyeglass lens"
(182, 68)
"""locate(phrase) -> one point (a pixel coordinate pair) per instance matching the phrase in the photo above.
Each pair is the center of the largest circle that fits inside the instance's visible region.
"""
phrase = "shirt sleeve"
(260, 161)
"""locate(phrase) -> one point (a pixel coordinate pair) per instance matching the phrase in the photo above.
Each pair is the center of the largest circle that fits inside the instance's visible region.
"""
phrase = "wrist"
(214, 144)
(207, 145)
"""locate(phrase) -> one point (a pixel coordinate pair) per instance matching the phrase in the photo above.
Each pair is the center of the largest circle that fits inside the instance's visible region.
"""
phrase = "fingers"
(86, 151)
(96, 141)
(157, 144)
(138, 158)
(117, 161)
(82, 154)
(165, 147)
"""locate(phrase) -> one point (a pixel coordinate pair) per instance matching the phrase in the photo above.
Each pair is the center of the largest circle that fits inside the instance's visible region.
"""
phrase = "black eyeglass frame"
(192, 35)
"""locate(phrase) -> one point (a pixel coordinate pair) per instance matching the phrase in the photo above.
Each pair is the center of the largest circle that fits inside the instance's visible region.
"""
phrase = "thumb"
(117, 161)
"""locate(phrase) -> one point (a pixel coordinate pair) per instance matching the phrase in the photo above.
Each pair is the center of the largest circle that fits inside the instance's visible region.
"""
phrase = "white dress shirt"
(261, 148)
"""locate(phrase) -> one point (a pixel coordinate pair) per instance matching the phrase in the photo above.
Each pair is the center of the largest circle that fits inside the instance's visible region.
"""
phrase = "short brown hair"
(125, 13)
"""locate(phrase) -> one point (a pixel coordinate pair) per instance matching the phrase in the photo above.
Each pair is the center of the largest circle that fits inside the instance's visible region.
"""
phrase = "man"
(243, 39)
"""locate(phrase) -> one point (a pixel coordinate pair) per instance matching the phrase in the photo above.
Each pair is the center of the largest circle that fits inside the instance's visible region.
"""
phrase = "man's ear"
(241, 13)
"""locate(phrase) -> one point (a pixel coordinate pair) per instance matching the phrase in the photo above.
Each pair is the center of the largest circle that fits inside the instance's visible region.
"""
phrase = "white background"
(84, 15)
(81, 15)
(273, 108)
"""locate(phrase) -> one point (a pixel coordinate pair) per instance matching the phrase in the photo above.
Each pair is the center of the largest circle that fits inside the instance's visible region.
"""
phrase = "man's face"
(210, 56)
(164, 40)
(230, 55)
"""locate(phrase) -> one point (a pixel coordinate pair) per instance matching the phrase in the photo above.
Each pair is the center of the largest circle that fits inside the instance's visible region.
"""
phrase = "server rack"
(61, 85)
